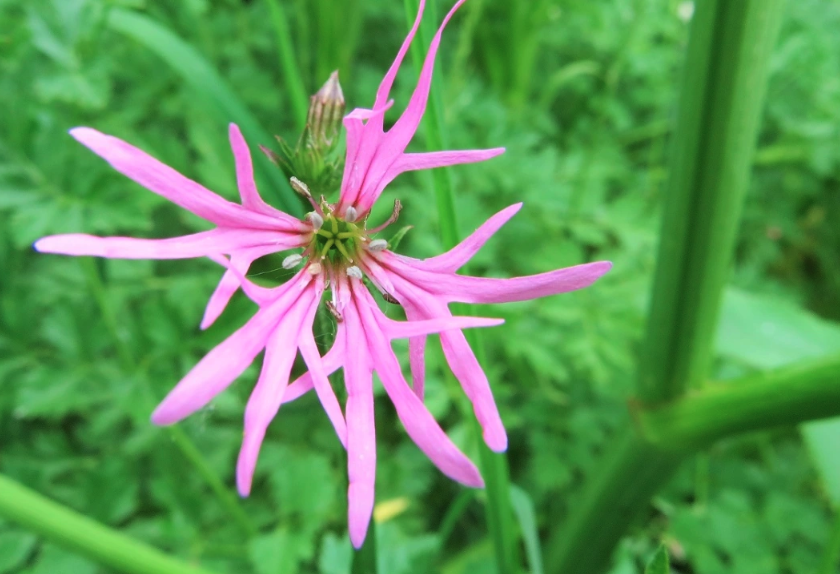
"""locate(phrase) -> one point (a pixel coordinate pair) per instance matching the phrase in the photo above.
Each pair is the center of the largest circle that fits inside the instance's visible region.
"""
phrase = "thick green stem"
(720, 106)
(627, 478)
(802, 392)
(832, 550)
(494, 466)
(75, 531)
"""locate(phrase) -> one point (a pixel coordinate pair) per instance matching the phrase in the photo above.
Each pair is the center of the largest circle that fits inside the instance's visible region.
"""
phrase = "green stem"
(77, 532)
(832, 550)
(494, 466)
(726, 71)
(615, 496)
(721, 101)
(178, 436)
(787, 396)
(364, 559)
(291, 72)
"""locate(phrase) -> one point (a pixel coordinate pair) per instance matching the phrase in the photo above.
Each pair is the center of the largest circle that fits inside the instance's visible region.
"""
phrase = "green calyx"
(337, 240)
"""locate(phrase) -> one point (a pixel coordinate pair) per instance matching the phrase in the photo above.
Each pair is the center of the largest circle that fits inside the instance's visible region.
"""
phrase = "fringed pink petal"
(463, 363)
(458, 256)
(267, 396)
(361, 431)
(218, 369)
(332, 361)
(318, 375)
(465, 289)
(418, 161)
(166, 182)
(362, 141)
(221, 240)
(248, 188)
(418, 422)
(400, 134)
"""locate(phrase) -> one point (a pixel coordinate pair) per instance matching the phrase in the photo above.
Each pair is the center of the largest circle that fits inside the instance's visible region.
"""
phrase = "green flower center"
(338, 240)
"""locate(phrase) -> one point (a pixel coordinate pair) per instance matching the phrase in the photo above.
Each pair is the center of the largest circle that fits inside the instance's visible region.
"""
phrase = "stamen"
(395, 214)
(303, 190)
(354, 272)
(315, 219)
(292, 261)
(334, 311)
(377, 245)
(314, 268)
(350, 214)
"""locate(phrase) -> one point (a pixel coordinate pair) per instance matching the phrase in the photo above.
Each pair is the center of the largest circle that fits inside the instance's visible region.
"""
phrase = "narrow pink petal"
(226, 361)
(418, 422)
(466, 289)
(332, 361)
(456, 257)
(165, 181)
(362, 143)
(267, 396)
(404, 329)
(239, 263)
(248, 188)
(318, 375)
(462, 361)
(397, 138)
(417, 363)
(361, 432)
(221, 240)
(417, 161)
(387, 82)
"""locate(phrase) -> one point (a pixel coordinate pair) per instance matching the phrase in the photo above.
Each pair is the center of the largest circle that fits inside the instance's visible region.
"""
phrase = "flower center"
(337, 240)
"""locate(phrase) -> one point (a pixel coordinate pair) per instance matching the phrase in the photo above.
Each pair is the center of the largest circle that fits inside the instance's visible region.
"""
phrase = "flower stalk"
(494, 466)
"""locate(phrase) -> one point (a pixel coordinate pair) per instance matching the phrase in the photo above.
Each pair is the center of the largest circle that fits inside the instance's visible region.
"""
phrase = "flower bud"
(326, 108)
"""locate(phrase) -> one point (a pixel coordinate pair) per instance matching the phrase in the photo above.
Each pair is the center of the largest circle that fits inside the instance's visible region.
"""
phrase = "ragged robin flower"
(337, 251)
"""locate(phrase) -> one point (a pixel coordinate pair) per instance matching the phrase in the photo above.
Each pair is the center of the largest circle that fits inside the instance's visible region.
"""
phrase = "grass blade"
(198, 73)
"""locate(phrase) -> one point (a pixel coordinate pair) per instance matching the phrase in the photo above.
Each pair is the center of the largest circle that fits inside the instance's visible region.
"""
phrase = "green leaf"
(765, 332)
(523, 508)
(53, 560)
(14, 548)
(659, 563)
(274, 553)
(196, 71)
(336, 555)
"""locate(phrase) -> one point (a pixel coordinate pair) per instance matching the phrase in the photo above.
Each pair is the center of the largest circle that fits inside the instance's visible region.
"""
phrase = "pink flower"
(338, 251)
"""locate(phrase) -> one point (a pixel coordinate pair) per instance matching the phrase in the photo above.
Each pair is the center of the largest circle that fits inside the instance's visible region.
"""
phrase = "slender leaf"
(200, 74)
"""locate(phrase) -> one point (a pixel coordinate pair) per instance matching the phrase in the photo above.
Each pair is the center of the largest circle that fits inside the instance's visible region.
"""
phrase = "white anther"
(314, 268)
(354, 272)
(292, 261)
(300, 187)
(315, 219)
(377, 245)
(350, 214)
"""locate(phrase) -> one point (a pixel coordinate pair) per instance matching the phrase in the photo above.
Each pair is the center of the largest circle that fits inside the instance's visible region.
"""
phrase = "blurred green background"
(582, 94)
